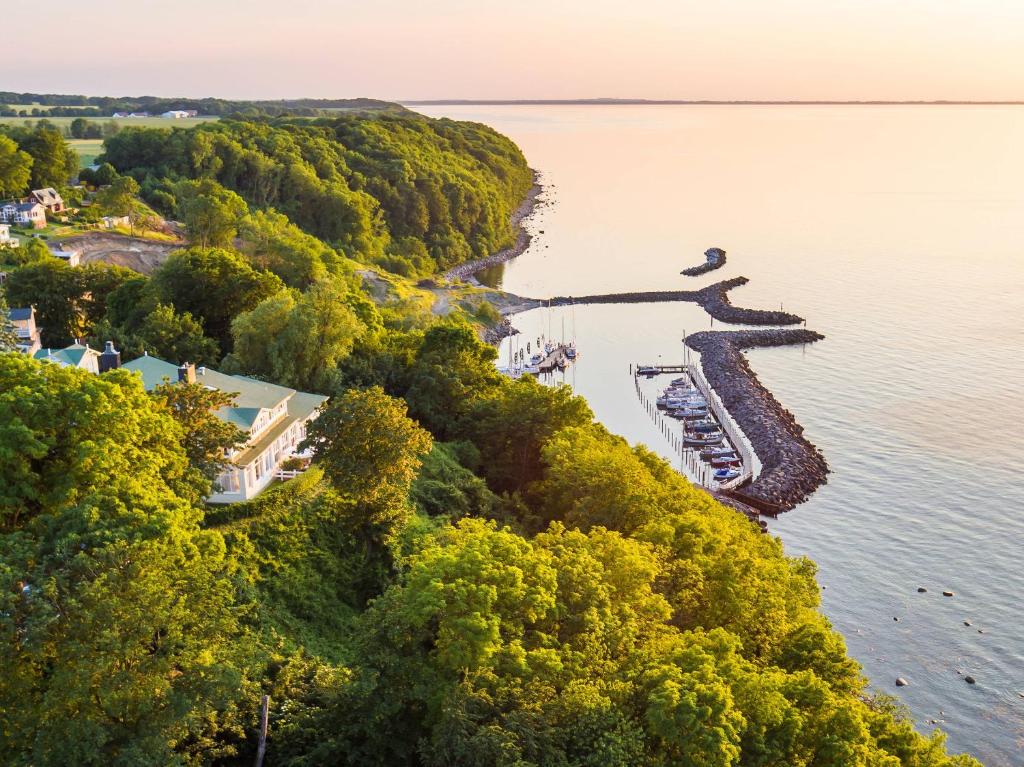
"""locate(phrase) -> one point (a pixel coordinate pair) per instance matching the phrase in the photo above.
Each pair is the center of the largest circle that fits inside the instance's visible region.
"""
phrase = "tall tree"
(210, 212)
(299, 340)
(116, 610)
(206, 438)
(54, 162)
(15, 168)
(214, 286)
(366, 444)
(8, 336)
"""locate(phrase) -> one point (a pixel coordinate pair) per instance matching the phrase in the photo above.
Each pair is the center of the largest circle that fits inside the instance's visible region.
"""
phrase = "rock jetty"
(715, 259)
(714, 299)
(791, 467)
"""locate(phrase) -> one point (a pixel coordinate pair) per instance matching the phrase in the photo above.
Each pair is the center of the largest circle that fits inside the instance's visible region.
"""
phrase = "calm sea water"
(898, 232)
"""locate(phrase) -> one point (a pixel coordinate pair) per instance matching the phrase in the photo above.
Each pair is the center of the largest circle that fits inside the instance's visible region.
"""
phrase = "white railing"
(751, 466)
(690, 461)
(283, 474)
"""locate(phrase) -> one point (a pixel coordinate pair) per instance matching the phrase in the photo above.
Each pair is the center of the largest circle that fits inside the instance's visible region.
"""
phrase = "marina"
(711, 448)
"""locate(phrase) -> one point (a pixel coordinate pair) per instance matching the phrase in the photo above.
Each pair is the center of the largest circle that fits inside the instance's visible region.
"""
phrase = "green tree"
(176, 337)
(78, 127)
(8, 335)
(117, 198)
(206, 438)
(214, 286)
(54, 162)
(296, 341)
(366, 444)
(211, 214)
(452, 371)
(54, 289)
(272, 242)
(116, 610)
(15, 168)
(69, 301)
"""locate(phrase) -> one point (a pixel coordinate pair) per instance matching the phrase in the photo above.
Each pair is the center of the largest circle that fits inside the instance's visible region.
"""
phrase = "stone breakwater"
(714, 299)
(715, 259)
(523, 239)
(791, 467)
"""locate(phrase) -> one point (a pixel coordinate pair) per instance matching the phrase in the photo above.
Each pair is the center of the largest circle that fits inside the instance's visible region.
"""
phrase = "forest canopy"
(413, 194)
(471, 571)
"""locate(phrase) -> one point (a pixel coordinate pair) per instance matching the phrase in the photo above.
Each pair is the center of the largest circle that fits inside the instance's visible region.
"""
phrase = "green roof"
(252, 395)
(69, 355)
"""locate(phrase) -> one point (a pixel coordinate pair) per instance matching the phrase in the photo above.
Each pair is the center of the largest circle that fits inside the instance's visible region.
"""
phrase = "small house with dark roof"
(24, 321)
(274, 418)
(48, 198)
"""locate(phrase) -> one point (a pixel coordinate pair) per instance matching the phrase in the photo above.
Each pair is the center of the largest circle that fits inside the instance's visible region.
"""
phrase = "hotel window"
(259, 470)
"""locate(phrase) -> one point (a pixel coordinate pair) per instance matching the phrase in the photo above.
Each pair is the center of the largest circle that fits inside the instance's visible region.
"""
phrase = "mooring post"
(261, 749)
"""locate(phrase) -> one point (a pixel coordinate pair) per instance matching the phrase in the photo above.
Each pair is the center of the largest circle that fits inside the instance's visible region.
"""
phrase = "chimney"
(110, 359)
(186, 373)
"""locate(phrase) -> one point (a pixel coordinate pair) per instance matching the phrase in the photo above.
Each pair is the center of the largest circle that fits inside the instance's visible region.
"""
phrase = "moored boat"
(724, 475)
(725, 461)
(701, 440)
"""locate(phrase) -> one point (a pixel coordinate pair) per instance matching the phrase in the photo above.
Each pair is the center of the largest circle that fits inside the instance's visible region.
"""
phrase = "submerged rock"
(901, 682)
(969, 679)
(947, 593)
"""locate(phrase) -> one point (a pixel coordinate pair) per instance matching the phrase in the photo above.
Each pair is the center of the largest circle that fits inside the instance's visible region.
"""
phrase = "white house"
(274, 417)
(175, 114)
(23, 213)
(6, 241)
(70, 255)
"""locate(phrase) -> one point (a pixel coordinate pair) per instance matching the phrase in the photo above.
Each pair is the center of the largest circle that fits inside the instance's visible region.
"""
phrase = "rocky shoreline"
(523, 239)
(791, 467)
(715, 259)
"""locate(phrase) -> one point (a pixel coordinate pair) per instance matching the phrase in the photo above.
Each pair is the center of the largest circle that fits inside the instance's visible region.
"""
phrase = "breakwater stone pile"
(715, 259)
(791, 467)
(714, 299)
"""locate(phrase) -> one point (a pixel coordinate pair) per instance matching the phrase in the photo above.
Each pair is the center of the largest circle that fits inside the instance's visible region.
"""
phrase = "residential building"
(6, 241)
(175, 114)
(274, 418)
(74, 356)
(112, 222)
(24, 321)
(23, 213)
(49, 199)
(72, 256)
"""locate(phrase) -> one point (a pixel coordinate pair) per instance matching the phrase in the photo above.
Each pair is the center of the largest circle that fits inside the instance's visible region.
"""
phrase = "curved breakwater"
(791, 467)
(714, 299)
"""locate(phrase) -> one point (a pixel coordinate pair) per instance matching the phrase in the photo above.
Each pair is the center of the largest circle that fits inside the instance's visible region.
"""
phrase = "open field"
(124, 122)
(42, 107)
(88, 150)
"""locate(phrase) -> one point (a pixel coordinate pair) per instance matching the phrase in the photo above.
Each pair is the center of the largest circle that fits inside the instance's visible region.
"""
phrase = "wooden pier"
(556, 360)
(690, 459)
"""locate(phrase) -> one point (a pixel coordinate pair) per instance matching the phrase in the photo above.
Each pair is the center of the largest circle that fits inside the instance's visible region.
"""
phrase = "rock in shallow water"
(901, 682)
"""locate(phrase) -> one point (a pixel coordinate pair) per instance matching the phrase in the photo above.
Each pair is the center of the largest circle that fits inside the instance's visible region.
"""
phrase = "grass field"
(41, 107)
(88, 150)
(124, 122)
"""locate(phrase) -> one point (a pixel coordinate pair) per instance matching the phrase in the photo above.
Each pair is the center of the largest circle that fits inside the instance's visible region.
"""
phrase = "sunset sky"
(414, 49)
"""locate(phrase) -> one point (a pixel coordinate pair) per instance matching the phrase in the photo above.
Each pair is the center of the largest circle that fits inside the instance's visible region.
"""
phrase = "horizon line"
(711, 102)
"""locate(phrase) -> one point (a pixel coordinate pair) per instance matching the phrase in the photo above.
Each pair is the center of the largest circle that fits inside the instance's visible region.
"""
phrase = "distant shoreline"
(684, 102)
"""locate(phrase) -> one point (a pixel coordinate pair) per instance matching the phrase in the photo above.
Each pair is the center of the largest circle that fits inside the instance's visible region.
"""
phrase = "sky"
(424, 49)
